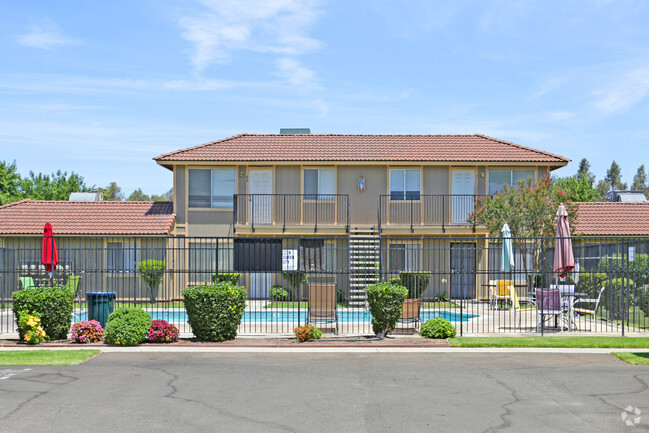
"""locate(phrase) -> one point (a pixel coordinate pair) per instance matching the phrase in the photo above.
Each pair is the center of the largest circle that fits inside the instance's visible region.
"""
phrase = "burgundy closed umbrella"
(50, 255)
(564, 260)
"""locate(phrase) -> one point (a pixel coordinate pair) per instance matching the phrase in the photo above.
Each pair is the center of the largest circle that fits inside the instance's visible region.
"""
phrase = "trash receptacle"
(100, 305)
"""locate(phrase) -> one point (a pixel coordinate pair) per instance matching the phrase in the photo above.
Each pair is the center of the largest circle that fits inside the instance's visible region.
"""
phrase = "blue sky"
(100, 88)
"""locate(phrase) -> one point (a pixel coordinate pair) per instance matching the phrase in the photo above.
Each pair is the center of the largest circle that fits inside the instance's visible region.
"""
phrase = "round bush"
(87, 331)
(278, 294)
(55, 305)
(162, 331)
(214, 311)
(127, 326)
(386, 302)
(437, 328)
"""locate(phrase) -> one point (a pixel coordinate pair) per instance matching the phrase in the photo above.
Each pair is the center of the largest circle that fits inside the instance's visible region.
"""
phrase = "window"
(121, 257)
(404, 257)
(500, 177)
(202, 261)
(405, 184)
(212, 188)
(318, 182)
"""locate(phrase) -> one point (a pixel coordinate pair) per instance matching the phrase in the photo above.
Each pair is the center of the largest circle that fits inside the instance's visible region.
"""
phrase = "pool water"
(294, 316)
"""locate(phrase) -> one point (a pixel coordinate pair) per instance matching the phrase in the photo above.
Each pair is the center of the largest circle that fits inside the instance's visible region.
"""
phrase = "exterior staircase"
(364, 255)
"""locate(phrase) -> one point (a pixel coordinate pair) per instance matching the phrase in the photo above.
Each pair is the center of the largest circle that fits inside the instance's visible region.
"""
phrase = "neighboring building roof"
(627, 196)
(86, 196)
(613, 218)
(331, 147)
(88, 217)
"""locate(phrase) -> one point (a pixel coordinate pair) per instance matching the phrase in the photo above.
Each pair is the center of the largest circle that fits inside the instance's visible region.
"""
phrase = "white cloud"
(624, 92)
(46, 36)
(266, 26)
(296, 74)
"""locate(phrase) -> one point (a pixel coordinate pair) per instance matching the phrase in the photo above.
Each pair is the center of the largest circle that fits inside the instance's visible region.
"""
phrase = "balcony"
(301, 212)
(431, 211)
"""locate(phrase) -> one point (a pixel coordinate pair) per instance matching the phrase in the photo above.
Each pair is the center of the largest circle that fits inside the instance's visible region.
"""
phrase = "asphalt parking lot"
(328, 392)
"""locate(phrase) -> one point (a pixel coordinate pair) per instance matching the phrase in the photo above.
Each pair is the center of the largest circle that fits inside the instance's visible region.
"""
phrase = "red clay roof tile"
(331, 147)
(613, 218)
(88, 217)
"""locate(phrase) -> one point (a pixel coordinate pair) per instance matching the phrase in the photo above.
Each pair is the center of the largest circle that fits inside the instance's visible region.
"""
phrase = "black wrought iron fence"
(460, 279)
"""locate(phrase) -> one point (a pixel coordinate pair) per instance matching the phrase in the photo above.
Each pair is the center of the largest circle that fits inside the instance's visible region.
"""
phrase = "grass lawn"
(46, 357)
(446, 304)
(578, 342)
(637, 317)
(633, 358)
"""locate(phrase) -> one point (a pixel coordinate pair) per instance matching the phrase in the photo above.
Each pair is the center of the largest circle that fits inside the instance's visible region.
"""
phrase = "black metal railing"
(309, 210)
(458, 278)
(430, 210)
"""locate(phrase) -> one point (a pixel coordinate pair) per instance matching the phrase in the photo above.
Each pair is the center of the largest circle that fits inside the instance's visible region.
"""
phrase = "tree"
(113, 192)
(530, 210)
(167, 196)
(603, 187)
(640, 181)
(152, 272)
(580, 189)
(138, 195)
(584, 171)
(10, 183)
(57, 186)
(614, 177)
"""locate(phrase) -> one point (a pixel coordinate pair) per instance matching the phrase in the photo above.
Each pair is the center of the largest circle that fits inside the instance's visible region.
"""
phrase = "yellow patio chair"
(499, 291)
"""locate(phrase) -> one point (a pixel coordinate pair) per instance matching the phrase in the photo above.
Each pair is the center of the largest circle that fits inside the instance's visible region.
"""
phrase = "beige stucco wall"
(435, 180)
(180, 196)
(209, 223)
(287, 180)
(362, 205)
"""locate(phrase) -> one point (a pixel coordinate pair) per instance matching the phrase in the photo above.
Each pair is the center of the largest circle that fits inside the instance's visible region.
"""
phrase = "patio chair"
(26, 283)
(322, 304)
(567, 293)
(73, 283)
(499, 292)
(410, 312)
(577, 307)
(548, 306)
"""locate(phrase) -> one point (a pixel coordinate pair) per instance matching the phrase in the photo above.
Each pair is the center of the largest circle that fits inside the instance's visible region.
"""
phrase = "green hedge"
(437, 328)
(55, 304)
(127, 326)
(386, 302)
(222, 277)
(214, 311)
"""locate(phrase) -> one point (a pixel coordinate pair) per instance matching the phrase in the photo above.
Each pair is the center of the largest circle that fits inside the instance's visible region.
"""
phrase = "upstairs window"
(405, 184)
(319, 183)
(212, 188)
(500, 177)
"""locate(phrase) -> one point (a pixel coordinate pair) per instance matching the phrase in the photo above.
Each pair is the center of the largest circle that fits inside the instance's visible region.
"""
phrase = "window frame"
(404, 197)
(130, 256)
(415, 255)
(309, 197)
(511, 176)
(229, 206)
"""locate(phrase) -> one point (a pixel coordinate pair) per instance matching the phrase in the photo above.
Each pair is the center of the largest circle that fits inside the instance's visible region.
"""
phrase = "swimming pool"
(294, 316)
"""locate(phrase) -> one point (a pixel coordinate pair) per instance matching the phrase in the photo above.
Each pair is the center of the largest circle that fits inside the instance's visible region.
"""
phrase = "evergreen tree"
(603, 187)
(584, 171)
(138, 195)
(614, 177)
(113, 192)
(640, 181)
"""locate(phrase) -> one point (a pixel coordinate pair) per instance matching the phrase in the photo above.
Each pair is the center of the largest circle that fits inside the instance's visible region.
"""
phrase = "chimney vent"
(288, 131)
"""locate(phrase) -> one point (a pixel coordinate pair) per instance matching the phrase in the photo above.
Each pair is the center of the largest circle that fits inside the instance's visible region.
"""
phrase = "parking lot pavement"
(327, 392)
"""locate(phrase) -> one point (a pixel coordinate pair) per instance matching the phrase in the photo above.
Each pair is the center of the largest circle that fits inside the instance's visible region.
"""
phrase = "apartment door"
(463, 265)
(260, 199)
(462, 195)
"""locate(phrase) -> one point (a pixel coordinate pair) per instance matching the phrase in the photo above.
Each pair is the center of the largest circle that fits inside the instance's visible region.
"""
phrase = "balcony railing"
(437, 210)
(311, 210)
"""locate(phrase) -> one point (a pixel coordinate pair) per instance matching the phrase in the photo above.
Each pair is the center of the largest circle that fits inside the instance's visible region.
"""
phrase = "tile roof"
(331, 147)
(87, 217)
(613, 218)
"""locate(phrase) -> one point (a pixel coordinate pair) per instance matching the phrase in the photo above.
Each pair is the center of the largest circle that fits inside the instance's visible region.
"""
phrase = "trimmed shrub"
(341, 298)
(152, 272)
(386, 302)
(642, 298)
(162, 331)
(223, 277)
(308, 332)
(127, 326)
(614, 300)
(416, 283)
(278, 294)
(29, 325)
(87, 331)
(214, 311)
(437, 328)
(295, 278)
(55, 305)
(591, 283)
(442, 297)
(637, 270)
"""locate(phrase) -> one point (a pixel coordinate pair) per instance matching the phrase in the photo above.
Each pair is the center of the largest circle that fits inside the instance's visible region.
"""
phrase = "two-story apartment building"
(357, 188)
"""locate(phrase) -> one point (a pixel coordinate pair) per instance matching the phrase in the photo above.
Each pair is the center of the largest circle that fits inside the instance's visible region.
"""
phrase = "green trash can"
(100, 305)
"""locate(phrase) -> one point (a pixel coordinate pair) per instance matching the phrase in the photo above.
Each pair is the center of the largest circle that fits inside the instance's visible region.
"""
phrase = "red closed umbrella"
(50, 256)
(564, 260)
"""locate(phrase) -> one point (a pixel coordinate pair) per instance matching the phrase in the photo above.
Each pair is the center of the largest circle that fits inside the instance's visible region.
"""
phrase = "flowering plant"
(29, 324)
(308, 332)
(162, 331)
(87, 331)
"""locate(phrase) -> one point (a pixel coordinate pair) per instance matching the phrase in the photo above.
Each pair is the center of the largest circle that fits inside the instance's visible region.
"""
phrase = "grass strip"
(552, 341)
(45, 357)
(633, 358)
